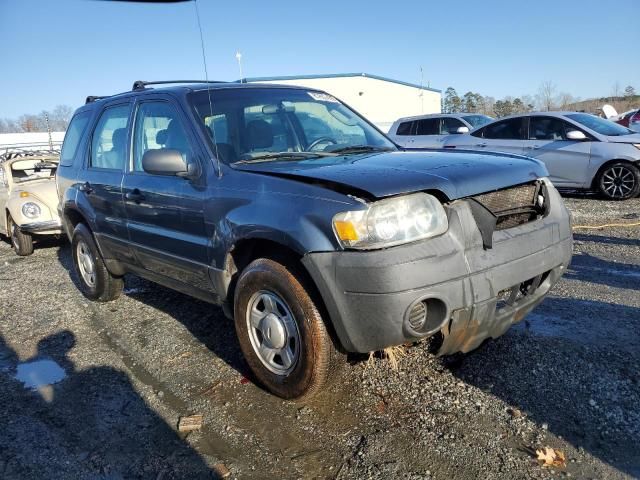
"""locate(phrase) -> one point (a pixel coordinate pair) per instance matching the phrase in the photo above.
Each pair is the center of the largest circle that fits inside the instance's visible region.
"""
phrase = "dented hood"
(383, 174)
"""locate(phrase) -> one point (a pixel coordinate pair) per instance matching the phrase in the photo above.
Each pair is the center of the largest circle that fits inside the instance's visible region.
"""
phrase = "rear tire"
(21, 242)
(281, 331)
(94, 280)
(619, 181)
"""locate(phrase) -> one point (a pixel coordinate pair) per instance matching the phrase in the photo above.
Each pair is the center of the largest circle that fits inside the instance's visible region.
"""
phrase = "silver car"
(429, 131)
(580, 150)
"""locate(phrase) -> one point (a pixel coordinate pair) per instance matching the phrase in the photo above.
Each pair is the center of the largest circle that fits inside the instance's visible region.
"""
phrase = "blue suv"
(312, 230)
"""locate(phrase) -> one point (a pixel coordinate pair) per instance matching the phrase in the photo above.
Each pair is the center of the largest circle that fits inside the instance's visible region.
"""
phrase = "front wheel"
(281, 331)
(95, 281)
(619, 181)
(21, 242)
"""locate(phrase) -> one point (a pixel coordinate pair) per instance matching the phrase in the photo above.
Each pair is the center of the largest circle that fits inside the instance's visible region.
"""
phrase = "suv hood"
(456, 174)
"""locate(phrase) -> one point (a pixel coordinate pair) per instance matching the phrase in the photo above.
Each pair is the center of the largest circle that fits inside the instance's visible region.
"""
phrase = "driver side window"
(158, 126)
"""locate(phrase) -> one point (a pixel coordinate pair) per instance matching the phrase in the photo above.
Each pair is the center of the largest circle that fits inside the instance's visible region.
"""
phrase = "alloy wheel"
(618, 181)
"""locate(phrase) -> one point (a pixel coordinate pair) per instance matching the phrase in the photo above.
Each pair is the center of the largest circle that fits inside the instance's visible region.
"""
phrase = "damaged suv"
(315, 232)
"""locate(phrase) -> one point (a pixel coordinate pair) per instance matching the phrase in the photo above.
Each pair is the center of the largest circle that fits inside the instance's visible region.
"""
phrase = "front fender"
(300, 223)
(14, 207)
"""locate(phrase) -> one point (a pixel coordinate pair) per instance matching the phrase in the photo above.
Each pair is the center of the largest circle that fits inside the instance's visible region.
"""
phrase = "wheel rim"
(86, 265)
(618, 182)
(273, 332)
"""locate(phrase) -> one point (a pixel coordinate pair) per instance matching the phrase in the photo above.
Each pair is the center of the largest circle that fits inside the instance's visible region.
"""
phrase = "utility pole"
(421, 94)
(46, 119)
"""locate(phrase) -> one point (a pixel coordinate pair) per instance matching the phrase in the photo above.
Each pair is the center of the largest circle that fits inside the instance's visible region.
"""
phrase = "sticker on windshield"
(322, 97)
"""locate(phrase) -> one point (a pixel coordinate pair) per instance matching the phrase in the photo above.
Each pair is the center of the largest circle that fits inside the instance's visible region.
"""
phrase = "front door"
(505, 136)
(165, 214)
(566, 160)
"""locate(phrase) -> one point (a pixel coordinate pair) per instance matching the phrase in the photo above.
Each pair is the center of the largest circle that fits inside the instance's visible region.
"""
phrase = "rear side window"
(72, 138)
(109, 140)
(428, 126)
(510, 129)
(404, 128)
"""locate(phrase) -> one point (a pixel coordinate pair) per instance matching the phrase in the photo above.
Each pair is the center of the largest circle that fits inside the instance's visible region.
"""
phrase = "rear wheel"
(281, 331)
(21, 242)
(619, 181)
(95, 281)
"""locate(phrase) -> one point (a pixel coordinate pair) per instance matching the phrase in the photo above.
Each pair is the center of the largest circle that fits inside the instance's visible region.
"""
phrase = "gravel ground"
(568, 377)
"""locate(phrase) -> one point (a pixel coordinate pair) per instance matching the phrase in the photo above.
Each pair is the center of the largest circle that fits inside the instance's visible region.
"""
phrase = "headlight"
(637, 145)
(31, 210)
(391, 222)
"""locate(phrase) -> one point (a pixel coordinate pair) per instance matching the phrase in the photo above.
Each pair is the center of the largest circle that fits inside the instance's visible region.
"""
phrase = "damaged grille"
(512, 206)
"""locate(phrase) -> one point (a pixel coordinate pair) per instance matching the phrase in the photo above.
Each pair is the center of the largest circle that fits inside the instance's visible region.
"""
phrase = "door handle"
(481, 144)
(533, 147)
(134, 195)
(86, 188)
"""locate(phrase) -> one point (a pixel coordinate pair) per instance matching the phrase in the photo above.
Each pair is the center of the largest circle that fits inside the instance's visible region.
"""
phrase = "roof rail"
(141, 84)
(93, 98)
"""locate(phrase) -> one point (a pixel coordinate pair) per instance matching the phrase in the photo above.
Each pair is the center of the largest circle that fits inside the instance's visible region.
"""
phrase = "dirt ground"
(123, 374)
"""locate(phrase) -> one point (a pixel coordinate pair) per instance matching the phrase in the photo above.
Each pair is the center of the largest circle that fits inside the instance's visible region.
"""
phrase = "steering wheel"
(320, 140)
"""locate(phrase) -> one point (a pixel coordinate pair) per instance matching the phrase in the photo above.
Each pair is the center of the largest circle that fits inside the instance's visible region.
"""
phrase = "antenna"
(239, 58)
(206, 76)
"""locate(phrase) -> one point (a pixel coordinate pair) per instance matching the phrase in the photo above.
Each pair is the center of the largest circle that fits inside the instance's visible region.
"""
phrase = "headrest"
(259, 134)
(161, 137)
(119, 138)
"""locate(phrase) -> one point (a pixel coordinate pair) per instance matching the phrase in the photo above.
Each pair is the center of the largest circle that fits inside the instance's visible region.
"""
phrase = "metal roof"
(339, 75)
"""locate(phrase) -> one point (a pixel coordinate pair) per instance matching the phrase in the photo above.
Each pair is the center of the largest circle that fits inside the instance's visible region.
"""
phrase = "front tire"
(21, 242)
(95, 281)
(281, 331)
(619, 181)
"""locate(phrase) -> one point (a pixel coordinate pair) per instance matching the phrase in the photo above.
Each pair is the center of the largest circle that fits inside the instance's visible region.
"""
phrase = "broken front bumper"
(50, 227)
(473, 293)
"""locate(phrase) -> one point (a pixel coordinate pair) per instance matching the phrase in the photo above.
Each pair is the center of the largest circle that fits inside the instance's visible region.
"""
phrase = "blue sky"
(58, 52)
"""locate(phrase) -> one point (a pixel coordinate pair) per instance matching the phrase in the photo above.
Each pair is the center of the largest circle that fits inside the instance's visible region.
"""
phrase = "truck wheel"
(95, 281)
(281, 331)
(22, 242)
(619, 181)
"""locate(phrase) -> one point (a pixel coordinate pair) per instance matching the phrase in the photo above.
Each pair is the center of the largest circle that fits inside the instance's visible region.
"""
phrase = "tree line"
(547, 98)
(55, 120)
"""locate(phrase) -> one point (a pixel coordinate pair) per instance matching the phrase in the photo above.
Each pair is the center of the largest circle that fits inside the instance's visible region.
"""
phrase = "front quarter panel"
(299, 216)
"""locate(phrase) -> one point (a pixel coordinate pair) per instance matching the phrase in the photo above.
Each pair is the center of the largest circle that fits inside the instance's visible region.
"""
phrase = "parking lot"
(568, 377)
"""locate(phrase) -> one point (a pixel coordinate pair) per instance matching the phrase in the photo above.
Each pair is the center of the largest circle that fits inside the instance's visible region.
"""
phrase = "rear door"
(427, 133)
(100, 194)
(403, 134)
(566, 160)
(165, 216)
(503, 136)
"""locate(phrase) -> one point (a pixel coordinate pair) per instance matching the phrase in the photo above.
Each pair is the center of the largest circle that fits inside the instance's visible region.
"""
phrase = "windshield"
(600, 125)
(477, 120)
(26, 170)
(259, 123)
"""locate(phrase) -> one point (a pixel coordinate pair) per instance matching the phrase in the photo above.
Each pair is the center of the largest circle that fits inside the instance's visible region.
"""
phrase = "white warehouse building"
(381, 100)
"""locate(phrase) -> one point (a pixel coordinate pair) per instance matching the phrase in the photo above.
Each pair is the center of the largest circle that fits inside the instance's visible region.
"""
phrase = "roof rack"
(93, 98)
(141, 84)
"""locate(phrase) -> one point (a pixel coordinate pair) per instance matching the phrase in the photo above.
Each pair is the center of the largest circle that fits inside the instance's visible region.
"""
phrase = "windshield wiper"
(285, 156)
(360, 149)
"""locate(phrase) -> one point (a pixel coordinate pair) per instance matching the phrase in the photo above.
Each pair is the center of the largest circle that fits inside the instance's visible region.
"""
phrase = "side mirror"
(164, 161)
(576, 135)
(462, 130)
